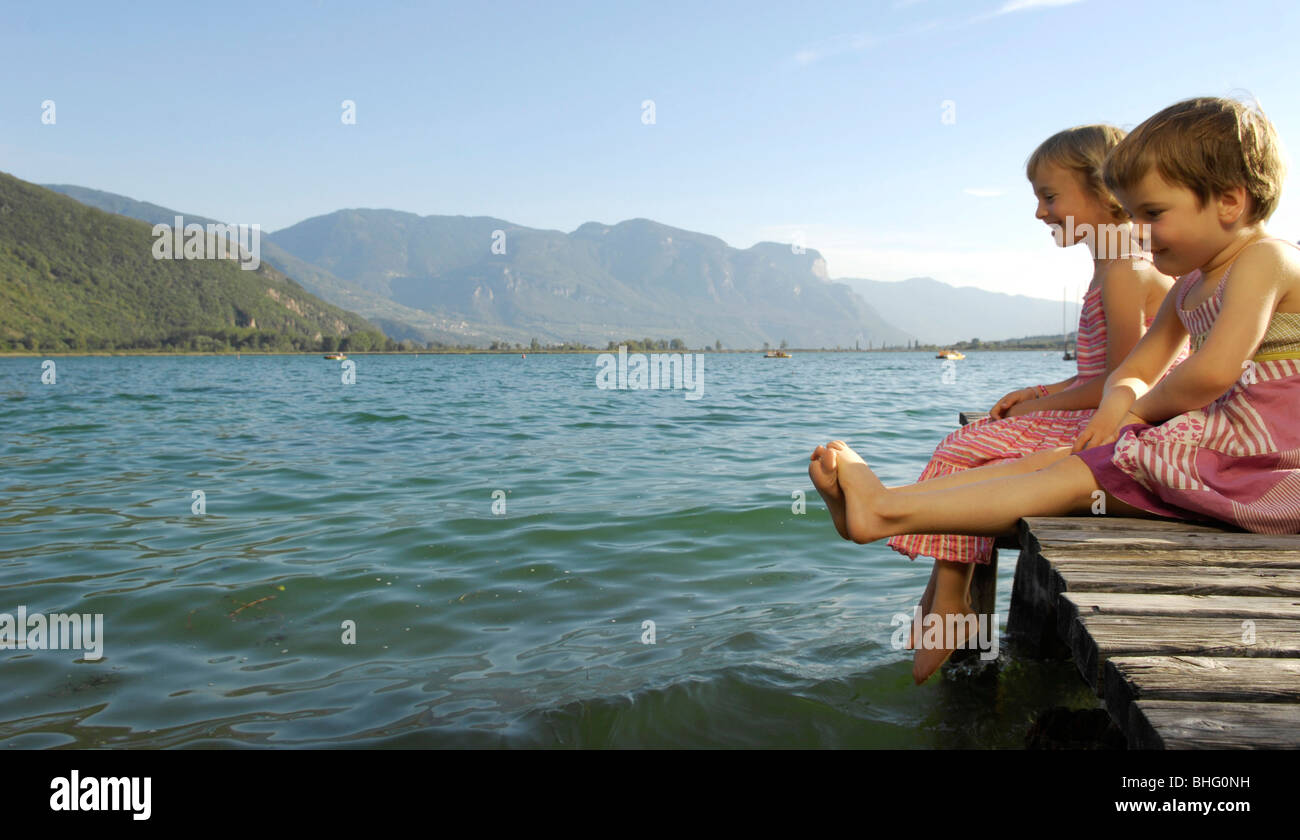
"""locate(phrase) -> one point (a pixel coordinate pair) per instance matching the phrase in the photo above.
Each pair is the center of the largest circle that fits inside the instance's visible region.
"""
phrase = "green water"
(373, 503)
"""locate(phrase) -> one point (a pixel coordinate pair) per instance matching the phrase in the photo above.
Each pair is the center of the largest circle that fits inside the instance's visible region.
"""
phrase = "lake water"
(463, 550)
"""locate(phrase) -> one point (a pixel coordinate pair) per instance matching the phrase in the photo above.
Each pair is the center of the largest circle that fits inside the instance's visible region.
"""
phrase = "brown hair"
(1209, 145)
(1082, 150)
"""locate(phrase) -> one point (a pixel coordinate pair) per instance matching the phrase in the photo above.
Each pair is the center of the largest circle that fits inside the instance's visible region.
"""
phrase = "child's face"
(1184, 235)
(1062, 195)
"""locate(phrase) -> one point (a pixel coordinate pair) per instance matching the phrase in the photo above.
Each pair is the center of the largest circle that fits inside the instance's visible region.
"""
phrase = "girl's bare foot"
(821, 470)
(863, 493)
(927, 599)
(959, 626)
(950, 622)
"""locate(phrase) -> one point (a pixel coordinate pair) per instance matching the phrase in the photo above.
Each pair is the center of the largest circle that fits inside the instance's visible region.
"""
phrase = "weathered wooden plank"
(1198, 678)
(1087, 576)
(1203, 541)
(1189, 606)
(1041, 577)
(1183, 725)
(1190, 632)
(1159, 557)
(1116, 524)
(1094, 638)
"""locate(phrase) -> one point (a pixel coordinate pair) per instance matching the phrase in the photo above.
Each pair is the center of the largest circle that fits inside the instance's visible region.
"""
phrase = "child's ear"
(1231, 205)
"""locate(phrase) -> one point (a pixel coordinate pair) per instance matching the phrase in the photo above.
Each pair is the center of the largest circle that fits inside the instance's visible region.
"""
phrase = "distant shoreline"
(352, 354)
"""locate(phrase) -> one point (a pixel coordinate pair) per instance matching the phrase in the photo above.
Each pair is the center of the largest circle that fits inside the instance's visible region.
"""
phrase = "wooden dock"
(1189, 634)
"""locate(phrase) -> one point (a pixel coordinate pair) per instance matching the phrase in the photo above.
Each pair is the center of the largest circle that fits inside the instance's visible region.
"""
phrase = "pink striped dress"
(989, 441)
(1236, 460)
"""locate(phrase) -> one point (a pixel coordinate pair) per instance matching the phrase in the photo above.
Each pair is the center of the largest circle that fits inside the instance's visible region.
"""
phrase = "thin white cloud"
(1023, 5)
(855, 42)
(979, 192)
(837, 45)
(1012, 6)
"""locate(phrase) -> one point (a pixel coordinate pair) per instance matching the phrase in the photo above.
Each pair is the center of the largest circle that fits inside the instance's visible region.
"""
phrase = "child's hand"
(1000, 410)
(1101, 430)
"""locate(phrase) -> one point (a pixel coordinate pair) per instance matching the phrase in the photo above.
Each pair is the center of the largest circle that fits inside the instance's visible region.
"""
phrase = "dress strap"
(1186, 282)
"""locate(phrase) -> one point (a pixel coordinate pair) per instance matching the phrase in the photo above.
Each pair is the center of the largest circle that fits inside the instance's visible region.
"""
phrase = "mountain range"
(461, 279)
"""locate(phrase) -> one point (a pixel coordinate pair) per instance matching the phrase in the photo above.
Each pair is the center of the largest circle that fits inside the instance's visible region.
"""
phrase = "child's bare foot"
(949, 623)
(927, 600)
(862, 494)
(821, 470)
(959, 625)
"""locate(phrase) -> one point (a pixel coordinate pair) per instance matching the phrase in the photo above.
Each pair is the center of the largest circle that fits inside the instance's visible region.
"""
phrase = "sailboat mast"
(1065, 343)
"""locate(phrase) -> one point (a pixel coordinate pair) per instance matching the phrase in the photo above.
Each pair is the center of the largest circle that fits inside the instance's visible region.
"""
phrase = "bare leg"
(984, 508)
(1034, 461)
(927, 601)
(1030, 463)
(822, 471)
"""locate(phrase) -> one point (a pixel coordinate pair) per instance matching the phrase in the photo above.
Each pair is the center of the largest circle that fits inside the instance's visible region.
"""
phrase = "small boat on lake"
(776, 354)
(950, 354)
(335, 356)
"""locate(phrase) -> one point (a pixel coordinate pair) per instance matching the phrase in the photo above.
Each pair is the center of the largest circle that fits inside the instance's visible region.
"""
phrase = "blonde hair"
(1209, 145)
(1082, 150)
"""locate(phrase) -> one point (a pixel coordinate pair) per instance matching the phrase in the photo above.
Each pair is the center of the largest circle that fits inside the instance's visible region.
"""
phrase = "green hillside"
(397, 321)
(74, 278)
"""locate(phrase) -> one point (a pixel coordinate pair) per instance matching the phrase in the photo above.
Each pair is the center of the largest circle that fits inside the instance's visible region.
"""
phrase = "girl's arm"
(1152, 356)
(1009, 405)
(1056, 387)
(1086, 395)
(1249, 300)
(1123, 298)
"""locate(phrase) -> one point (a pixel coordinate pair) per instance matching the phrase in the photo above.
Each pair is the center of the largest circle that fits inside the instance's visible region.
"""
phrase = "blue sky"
(772, 121)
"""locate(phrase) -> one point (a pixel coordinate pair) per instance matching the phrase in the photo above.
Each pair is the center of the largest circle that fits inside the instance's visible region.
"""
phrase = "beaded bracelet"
(1042, 390)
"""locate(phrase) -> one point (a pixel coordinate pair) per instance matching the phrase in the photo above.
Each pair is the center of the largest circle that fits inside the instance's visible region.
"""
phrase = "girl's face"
(1184, 235)
(1066, 205)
